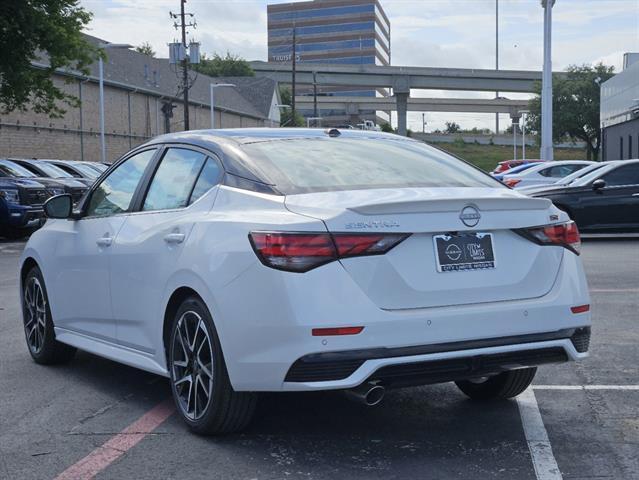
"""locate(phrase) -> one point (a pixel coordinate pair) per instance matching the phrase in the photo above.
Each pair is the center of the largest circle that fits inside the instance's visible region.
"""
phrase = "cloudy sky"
(431, 33)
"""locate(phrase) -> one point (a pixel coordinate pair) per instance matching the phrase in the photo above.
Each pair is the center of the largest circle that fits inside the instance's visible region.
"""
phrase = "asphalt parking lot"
(94, 416)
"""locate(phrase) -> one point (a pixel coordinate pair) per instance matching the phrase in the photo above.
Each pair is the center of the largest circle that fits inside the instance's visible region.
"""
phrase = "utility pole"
(293, 59)
(497, 58)
(423, 123)
(546, 85)
(185, 69)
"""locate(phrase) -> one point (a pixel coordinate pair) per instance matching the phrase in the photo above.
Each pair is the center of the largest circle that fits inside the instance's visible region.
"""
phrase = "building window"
(629, 146)
(620, 148)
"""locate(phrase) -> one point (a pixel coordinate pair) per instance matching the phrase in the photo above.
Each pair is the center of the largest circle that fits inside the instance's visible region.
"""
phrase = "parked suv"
(54, 187)
(21, 206)
(76, 187)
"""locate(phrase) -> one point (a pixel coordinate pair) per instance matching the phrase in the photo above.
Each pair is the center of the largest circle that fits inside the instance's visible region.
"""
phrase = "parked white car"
(568, 180)
(544, 173)
(251, 260)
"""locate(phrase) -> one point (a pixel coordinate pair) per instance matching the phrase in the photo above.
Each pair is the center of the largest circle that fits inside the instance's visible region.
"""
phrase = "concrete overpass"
(402, 79)
(353, 105)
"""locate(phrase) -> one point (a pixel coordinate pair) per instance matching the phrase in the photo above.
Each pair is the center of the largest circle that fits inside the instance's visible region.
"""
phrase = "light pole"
(497, 58)
(523, 133)
(101, 75)
(213, 87)
(546, 89)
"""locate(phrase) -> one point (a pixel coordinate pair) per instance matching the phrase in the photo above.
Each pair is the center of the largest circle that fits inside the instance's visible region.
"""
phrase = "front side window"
(115, 193)
(624, 175)
(328, 164)
(174, 179)
(12, 169)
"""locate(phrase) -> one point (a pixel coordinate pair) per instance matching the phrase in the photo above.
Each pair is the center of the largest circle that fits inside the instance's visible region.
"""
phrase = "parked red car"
(508, 164)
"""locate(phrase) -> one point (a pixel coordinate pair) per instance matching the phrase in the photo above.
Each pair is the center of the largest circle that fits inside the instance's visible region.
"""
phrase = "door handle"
(635, 194)
(105, 241)
(174, 238)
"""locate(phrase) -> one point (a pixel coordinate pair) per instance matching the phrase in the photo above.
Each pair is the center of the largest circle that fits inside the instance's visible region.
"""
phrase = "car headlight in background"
(56, 191)
(10, 195)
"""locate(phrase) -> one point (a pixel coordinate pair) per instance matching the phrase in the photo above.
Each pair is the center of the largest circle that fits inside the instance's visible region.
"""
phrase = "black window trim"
(145, 182)
(82, 210)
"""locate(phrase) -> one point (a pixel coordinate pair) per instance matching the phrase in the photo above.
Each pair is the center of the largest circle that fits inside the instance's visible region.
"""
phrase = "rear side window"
(329, 164)
(208, 178)
(174, 179)
(561, 171)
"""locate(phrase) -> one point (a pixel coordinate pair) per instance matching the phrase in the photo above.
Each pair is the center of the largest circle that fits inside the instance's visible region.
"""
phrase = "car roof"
(207, 138)
(553, 163)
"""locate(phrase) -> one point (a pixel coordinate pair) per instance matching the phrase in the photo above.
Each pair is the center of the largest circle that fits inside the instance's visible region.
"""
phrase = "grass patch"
(487, 157)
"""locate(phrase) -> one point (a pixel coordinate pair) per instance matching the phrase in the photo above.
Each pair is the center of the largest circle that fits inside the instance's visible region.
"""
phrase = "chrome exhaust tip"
(370, 394)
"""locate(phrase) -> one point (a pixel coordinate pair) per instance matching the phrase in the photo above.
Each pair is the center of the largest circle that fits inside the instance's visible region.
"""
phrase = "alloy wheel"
(35, 315)
(192, 365)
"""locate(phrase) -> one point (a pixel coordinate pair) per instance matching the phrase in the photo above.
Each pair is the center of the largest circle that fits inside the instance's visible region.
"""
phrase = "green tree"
(386, 127)
(286, 114)
(227, 66)
(47, 30)
(576, 97)
(452, 127)
(146, 49)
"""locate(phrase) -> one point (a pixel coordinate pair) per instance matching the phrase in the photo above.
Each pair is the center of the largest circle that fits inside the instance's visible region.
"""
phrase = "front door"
(81, 284)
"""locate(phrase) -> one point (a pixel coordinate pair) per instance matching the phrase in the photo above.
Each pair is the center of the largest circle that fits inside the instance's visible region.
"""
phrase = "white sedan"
(544, 173)
(251, 260)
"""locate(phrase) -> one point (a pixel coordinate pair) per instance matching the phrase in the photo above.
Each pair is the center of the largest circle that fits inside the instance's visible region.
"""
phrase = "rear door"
(151, 241)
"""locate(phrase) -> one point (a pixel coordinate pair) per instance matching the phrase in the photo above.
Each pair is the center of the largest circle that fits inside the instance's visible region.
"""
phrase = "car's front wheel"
(38, 324)
(505, 385)
(199, 380)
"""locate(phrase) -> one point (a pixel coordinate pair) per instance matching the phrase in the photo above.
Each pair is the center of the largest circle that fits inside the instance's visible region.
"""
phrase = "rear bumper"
(266, 334)
(421, 365)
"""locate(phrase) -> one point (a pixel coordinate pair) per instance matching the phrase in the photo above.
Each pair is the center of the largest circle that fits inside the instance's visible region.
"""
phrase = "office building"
(345, 32)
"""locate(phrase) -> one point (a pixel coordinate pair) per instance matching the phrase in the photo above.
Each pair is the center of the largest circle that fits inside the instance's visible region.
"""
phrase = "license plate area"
(464, 251)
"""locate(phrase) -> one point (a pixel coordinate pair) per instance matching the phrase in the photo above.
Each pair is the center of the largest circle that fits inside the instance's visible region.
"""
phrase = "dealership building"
(141, 100)
(344, 32)
(620, 112)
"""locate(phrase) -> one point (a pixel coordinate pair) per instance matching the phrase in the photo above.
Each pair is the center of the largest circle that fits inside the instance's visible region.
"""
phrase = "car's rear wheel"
(505, 385)
(199, 380)
(38, 324)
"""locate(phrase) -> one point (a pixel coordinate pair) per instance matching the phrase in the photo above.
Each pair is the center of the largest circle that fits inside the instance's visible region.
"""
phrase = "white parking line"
(614, 290)
(537, 438)
(586, 387)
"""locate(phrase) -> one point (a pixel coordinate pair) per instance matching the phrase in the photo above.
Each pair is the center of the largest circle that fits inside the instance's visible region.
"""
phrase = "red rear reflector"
(511, 182)
(325, 332)
(580, 309)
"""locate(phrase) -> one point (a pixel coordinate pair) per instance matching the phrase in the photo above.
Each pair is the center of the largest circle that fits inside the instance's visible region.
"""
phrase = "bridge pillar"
(402, 109)
(401, 92)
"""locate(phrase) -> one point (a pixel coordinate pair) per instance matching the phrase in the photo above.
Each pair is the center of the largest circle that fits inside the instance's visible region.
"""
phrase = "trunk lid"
(407, 276)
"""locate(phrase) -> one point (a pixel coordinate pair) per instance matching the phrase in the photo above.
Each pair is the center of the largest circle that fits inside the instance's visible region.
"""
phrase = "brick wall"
(76, 136)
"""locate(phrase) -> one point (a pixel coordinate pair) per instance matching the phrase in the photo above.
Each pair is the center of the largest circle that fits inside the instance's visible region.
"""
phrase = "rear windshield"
(329, 164)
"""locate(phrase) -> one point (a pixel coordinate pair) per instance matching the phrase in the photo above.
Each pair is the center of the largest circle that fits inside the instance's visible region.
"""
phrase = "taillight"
(511, 182)
(301, 252)
(562, 234)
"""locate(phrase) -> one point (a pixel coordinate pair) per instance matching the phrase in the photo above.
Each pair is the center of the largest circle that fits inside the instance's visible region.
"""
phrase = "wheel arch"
(26, 267)
(175, 300)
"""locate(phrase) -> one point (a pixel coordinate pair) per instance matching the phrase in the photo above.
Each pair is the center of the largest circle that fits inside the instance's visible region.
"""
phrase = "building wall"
(76, 135)
(621, 141)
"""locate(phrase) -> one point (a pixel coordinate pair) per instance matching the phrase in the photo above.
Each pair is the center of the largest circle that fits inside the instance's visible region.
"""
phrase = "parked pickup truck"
(21, 206)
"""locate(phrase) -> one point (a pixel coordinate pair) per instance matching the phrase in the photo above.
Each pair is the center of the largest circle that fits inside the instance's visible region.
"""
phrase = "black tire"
(225, 410)
(505, 385)
(16, 233)
(38, 323)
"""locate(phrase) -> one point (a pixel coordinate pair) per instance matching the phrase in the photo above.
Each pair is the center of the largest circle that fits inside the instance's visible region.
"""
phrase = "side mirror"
(598, 184)
(59, 206)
